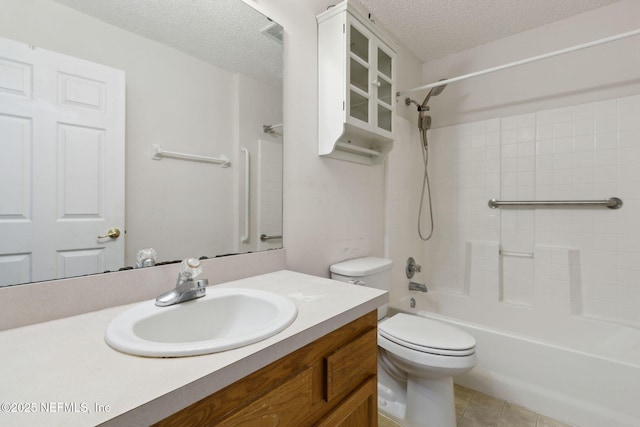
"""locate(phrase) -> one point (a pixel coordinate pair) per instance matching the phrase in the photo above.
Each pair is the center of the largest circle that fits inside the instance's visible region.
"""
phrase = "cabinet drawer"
(357, 410)
(286, 405)
(351, 365)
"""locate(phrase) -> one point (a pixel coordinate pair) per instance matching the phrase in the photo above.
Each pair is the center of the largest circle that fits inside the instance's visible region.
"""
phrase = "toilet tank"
(369, 271)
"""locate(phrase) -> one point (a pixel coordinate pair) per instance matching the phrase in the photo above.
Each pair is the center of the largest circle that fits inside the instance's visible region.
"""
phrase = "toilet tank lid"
(361, 266)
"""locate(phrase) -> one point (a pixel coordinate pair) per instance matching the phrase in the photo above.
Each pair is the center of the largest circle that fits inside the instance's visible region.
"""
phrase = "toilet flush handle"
(357, 282)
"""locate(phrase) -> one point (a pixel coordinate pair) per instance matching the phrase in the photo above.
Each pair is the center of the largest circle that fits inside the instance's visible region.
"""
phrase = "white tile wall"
(585, 261)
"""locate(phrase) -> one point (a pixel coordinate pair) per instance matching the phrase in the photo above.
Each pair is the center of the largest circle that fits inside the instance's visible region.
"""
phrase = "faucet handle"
(190, 268)
(412, 268)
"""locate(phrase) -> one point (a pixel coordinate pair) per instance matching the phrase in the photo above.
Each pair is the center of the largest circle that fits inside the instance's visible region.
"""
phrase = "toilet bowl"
(417, 357)
(429, 354)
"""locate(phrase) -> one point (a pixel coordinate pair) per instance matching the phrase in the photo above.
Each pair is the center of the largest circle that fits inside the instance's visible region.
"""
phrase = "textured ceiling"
(225, 33)
(436, 28)
(209, 29)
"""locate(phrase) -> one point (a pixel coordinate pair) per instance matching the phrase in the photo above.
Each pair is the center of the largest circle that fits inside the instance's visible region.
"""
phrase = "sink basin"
(224, 319)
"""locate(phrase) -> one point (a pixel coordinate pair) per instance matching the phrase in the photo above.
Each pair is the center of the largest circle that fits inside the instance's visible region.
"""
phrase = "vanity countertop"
(63, 373)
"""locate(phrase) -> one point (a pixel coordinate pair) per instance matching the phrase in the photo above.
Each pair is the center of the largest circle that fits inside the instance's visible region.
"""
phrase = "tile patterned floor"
(475, 409)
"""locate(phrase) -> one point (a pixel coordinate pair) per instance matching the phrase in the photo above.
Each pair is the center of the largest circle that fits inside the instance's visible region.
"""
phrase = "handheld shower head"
(435, 91)
(424, 121)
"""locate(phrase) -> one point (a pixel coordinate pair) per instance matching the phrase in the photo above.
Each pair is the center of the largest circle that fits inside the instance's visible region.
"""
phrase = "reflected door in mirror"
(62, 165)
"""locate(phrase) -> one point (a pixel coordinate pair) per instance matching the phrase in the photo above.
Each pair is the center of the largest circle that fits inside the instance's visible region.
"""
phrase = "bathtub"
(583, 372)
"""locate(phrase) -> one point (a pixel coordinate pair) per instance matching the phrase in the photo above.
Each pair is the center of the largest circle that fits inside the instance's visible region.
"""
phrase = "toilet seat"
(426, 335)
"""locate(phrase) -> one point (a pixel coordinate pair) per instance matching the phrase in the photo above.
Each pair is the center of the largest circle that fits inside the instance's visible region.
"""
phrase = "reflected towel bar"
(264, 237)
(159, 153)
(611, 203)
(270, 129)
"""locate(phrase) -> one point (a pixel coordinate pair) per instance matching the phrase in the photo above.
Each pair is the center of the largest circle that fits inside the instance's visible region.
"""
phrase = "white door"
(269, 193)
(61, 165)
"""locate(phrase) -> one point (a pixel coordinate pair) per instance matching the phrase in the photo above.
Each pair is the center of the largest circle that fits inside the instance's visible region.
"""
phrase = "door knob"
(114, 233)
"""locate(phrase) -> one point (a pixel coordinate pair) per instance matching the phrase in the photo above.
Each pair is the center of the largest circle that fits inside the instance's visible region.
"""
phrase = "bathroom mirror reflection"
(90, 90)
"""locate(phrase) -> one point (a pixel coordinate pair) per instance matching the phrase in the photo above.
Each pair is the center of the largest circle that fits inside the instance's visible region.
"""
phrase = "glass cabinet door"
(370, 85)
(385, 90)
(359, 68)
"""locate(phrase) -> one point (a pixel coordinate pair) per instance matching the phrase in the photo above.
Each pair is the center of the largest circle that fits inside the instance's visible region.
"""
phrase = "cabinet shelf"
(356, 83)
(354, 148)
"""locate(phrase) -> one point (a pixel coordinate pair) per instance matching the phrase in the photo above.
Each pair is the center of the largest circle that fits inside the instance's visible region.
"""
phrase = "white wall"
(563, 128)
(333, 210)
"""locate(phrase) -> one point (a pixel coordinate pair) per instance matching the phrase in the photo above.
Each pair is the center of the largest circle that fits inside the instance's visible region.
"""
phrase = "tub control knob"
(412, 268)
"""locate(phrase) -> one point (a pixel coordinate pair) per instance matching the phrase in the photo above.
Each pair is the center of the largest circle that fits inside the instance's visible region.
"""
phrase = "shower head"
(435, 91)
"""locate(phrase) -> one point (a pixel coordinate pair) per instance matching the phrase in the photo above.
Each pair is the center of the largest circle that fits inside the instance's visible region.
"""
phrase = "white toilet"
(417, 357)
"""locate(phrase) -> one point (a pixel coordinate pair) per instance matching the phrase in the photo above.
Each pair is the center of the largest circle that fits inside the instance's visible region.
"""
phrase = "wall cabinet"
(356, 87)
(330, 382)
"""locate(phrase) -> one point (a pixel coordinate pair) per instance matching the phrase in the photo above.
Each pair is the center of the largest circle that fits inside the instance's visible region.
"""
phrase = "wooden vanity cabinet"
(330, 382)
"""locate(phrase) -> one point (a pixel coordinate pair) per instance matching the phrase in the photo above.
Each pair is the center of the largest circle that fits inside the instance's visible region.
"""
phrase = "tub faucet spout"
(413, 286)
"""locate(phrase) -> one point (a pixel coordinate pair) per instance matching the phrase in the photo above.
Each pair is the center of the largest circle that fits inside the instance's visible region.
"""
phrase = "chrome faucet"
(413, 286)
(186, 288)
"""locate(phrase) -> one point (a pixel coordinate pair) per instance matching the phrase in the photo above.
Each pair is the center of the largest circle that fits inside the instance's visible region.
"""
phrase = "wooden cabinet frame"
(330, 382)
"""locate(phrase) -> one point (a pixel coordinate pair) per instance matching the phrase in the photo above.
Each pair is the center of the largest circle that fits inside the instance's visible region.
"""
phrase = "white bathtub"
(584, 372)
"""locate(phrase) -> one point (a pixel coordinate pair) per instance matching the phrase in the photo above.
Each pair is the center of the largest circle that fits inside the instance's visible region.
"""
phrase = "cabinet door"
(285, 405)
(351, 365)
(359, 72)
(371, 80)
(357, 410)
(384, 88)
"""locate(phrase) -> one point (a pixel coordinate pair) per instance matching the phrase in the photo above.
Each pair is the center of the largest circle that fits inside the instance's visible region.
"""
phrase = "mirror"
(146, 119)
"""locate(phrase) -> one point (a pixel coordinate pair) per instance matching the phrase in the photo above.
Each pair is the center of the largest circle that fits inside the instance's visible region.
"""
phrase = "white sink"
(224, 319)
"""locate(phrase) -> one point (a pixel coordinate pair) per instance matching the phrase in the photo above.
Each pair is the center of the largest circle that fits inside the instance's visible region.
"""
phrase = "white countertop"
(62, 373)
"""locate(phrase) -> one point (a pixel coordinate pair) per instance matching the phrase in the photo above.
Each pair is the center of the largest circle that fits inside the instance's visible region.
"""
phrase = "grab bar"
(611, 203)
(264, 237)
(247, 188)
